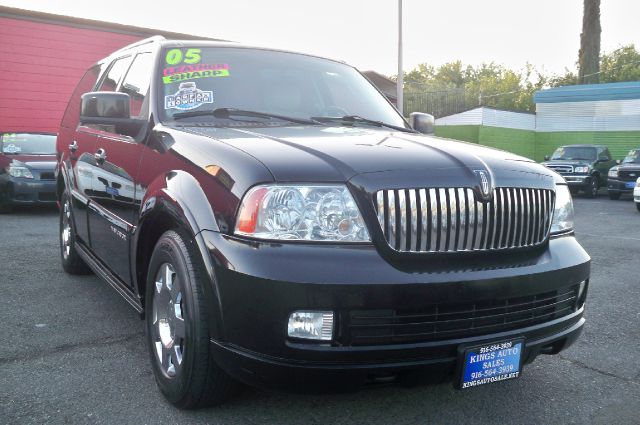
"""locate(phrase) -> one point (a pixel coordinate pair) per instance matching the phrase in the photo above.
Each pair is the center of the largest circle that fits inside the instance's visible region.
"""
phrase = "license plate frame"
(502, 362)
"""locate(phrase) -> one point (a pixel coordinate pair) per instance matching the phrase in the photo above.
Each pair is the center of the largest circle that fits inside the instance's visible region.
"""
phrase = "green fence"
(536, 145)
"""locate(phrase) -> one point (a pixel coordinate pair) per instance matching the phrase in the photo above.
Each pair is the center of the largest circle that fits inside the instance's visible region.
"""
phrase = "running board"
(121, 288)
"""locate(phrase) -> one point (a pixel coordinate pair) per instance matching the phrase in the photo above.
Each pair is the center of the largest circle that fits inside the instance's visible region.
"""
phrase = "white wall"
(600, 115)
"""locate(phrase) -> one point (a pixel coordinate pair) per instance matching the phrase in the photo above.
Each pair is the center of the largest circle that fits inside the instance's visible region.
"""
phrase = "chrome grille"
(562, 169)
(451, 220)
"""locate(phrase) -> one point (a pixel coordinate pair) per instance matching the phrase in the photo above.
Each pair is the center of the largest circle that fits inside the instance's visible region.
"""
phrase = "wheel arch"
(166, 206)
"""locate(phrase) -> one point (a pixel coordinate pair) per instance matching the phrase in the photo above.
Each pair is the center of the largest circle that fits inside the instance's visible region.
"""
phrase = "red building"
(44, 56)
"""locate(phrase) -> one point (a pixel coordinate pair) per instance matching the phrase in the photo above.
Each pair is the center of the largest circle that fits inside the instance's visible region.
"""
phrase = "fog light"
(316, 325)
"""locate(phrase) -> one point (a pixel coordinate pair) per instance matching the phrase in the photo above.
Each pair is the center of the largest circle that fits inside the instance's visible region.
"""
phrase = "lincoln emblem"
(485, 185)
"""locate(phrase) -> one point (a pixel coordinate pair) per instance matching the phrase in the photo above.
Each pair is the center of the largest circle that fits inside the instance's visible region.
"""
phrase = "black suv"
(277, 222)
(584, 167)
(623, 177)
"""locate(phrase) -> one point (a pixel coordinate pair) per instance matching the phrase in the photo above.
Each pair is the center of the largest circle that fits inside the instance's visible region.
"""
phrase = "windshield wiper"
(353, 119)
(228, 112)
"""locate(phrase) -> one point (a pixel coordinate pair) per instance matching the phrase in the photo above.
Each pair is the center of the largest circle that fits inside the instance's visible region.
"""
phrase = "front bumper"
(260, 284)
(20, 191)
(577, 181)
(619, 186)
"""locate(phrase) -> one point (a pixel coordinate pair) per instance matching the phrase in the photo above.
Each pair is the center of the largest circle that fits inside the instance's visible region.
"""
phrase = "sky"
(545, 33)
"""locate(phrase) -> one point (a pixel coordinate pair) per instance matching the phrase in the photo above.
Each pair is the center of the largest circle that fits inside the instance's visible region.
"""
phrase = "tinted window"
(27, 144)
(86, 84)
(575, 152)
(110, 82)
(136, 83)
(266, 81)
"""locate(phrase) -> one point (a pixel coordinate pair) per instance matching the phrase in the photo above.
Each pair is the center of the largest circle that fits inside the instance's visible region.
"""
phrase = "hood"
(337, 154)
(628, 166)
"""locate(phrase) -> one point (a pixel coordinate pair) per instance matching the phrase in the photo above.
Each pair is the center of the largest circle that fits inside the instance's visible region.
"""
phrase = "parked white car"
(636, 194)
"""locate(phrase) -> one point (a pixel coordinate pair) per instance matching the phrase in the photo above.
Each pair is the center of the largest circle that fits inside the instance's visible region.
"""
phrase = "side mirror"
(618, 162)
(109, 109)
(547, 157)
(424, 123)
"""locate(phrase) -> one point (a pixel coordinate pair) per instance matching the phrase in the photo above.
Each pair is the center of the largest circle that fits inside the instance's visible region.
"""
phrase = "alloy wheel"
(66, 231)
(168, 327)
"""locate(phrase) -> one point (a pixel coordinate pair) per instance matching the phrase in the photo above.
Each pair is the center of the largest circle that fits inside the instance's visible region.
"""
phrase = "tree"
(589, 54)
(623, 64)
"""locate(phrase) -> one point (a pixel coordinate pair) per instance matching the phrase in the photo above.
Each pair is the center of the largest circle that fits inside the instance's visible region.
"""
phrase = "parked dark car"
(284, 226)
(622, 178)
(27, 167)
(584, 167)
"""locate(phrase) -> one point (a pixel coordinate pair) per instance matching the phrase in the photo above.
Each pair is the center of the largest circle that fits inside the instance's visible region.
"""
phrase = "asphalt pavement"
(72, 351)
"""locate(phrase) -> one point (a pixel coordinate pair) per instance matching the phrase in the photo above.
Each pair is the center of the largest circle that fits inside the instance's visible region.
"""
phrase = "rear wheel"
(71, 261)
(177, 325)
(591, 191)
(614, 195)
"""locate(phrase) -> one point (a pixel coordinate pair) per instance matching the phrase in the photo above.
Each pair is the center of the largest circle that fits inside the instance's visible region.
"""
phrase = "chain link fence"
(436, 103)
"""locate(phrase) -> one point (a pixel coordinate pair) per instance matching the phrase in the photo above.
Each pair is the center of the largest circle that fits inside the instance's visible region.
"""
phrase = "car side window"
(137, 81)
(604, 155)
(115, 74)
(85, 85)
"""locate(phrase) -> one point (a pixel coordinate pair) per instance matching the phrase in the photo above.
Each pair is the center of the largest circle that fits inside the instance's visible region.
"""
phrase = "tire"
(177, 327)
(614, 195)
(72, 263)
(5, 209)
(591, 191)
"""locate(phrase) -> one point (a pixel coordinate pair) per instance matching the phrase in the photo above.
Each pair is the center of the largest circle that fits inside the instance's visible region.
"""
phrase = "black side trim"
(94, 263)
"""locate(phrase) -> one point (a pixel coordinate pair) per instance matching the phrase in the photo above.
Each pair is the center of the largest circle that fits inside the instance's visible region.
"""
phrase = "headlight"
(613, 173)
(584, 169)
(301, 212)
(563, 213)
(20, 171)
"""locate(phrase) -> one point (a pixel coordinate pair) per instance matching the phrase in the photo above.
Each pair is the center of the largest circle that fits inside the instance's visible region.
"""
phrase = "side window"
(85, 85)
(117, 70)
(136, 83)
(604, 154)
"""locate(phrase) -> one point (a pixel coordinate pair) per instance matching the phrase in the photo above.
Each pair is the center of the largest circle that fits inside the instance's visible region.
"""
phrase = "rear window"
(27, 144)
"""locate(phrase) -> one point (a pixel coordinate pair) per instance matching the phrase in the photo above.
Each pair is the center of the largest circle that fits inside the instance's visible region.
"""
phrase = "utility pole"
(400, 80)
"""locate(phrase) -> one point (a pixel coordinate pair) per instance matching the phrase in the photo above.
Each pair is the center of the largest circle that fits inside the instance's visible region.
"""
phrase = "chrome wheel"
(167, 320)
(65, 236)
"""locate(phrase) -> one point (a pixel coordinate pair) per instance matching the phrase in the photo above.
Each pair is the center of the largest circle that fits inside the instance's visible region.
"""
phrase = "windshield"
(27, 144)
(575, 152)
(633, 157)
(276, 83)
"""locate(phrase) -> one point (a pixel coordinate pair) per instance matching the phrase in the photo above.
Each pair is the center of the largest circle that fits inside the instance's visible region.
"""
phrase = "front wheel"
(591, 191)
(614, 195)
(177, 327)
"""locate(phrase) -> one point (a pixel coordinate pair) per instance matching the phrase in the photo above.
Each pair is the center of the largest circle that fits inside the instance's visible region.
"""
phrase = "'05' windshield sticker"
(192, 72)
(187, 97)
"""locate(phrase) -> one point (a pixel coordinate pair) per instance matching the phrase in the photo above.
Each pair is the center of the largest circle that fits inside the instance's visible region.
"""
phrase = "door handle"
(100, 156)
(73, 147)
